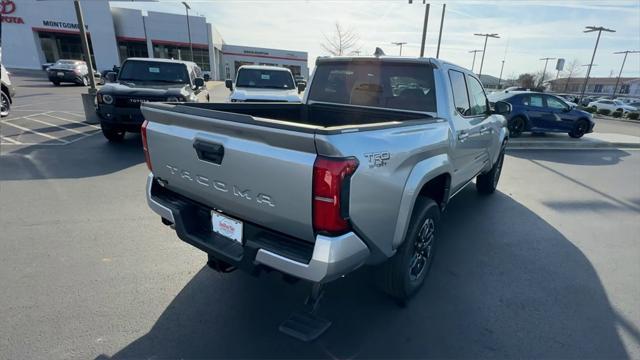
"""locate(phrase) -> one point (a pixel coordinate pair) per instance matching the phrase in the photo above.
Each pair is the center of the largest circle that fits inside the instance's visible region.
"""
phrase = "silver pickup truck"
(358, 173)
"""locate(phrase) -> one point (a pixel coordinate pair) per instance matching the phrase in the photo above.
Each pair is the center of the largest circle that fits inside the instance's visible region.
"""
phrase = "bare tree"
(341, 42)
(572, 69)
(540, 77)
(526, 81)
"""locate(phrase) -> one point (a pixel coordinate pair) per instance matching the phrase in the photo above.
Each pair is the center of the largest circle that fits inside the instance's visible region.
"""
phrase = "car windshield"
(618, 102)
(265, 79)
(395, 85)
(499, 96)
(151, 71)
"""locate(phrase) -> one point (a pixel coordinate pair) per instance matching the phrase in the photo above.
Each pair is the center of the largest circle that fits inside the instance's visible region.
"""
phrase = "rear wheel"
(113, 134)
(403, 274)
(579, 129)
(85, 81)
(56, 83)
(6, 105)
(516, 126)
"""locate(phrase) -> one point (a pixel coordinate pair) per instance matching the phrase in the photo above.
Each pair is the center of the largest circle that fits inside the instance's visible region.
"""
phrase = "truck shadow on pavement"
(92, 156)
(505, 283)
(600, 157)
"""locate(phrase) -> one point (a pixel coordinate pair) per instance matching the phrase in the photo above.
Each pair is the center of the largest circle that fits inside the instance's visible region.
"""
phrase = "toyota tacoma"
(358, 173)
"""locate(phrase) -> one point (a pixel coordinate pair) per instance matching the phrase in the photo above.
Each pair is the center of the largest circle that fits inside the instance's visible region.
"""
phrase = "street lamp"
(627, 52)
(484, 50)
(399, 44)
(473, 64)
(544, 72)
(187, 7)
(424, 26)
(599, 29)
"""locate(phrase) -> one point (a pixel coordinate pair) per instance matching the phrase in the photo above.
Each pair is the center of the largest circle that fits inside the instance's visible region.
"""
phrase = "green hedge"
(617, 114)
(633, 115)
(604, 111)
(587, 109)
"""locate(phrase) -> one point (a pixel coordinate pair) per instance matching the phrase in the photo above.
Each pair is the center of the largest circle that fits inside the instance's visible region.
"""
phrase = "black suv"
(141, 80)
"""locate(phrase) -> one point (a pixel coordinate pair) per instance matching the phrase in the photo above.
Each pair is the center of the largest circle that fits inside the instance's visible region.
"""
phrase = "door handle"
(210, 152)
(485, 130)
(463, 135)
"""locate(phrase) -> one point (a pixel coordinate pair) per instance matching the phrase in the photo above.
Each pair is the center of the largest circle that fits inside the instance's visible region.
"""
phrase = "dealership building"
(39, 32)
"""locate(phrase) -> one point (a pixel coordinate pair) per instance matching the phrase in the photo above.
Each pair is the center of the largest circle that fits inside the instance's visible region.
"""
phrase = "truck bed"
(322, 118)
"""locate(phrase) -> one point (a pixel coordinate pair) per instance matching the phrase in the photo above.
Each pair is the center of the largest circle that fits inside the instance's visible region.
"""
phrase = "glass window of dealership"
(35, 33)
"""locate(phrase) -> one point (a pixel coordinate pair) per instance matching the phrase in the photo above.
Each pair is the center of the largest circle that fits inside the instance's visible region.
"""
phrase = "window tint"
(459, 88)
(264, 79)
(376, 84)
(477, 97)
(151, 71)
(533, 100)
(556, 103)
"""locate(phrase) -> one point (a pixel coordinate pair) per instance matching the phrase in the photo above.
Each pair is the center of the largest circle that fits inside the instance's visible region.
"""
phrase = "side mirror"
(206, 77)
(301, 87)
(502, 108)
(228, 84)
(199, 82)
(111, 76)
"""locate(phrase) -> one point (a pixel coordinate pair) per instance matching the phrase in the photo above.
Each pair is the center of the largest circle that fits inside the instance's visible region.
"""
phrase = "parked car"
(70, 71)
(8, 91)
(264, 83)
(141, 80)
(538, 112)
(103, 74)
(612, 105)
(359, 173)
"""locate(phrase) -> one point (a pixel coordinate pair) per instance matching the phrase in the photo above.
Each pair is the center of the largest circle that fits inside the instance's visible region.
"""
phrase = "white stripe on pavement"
(54, 125)
(12, 142)
(35, 132)
(71, 121)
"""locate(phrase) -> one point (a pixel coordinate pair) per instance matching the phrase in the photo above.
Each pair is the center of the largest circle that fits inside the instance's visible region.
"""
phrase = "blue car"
(538, 112)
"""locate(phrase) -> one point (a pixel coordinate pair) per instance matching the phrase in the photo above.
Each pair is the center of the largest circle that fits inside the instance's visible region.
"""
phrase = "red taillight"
(145, 146)
(330, 193)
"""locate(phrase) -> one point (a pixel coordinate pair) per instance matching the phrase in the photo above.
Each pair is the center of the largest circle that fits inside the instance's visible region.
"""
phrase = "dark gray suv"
(143, 80)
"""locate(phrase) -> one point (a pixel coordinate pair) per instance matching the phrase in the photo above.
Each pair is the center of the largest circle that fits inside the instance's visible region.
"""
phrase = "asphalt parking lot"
(545, 268)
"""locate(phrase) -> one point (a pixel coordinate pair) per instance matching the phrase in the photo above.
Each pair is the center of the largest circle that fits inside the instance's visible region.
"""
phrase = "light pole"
(500, 78)
(599, 29)
(424, 26)
(187, 7)
(85, 47)
(399, 44)
(627, 52)
(544, 72)
(484, 50)
(473, 64)
(444, 6)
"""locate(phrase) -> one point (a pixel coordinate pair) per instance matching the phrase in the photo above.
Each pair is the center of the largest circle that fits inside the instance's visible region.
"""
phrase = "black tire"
(6, 105)
(56, 83)
(579, 129)
(488, 182)
(84, 81)
(403, 274)
(112, 134)
(516, 126)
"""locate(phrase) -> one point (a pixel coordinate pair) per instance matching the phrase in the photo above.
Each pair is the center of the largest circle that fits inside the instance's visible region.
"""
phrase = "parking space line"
(12, 142)
(68, 120)
(72, 113)
(35, 132)
(54, 125)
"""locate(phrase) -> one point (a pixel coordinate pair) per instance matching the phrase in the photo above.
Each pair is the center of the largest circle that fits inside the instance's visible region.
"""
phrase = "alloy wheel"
(422, 250)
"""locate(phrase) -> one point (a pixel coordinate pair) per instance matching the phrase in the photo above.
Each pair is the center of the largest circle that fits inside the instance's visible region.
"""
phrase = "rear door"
(535, 109)
(248, 168)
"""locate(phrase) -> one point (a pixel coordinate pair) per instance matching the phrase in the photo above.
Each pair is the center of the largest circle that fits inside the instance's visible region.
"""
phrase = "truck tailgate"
(230, 162)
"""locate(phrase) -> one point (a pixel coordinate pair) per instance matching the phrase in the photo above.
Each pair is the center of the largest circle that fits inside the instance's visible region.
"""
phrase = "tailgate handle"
(209, 152)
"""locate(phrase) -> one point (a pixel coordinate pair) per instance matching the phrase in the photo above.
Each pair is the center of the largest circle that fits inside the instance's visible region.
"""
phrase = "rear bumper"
(325, 260)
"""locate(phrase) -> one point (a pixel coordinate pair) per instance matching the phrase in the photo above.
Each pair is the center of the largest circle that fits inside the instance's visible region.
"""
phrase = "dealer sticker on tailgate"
(226, 226)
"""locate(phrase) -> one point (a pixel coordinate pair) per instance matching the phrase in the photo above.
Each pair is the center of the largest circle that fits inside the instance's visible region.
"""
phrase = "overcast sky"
(529, 29)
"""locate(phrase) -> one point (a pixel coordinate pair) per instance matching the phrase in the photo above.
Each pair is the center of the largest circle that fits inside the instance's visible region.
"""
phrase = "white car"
(257, 83)
(612, 105)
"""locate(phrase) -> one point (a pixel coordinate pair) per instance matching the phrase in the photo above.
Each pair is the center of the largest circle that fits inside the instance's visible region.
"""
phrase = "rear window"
(400, 86)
